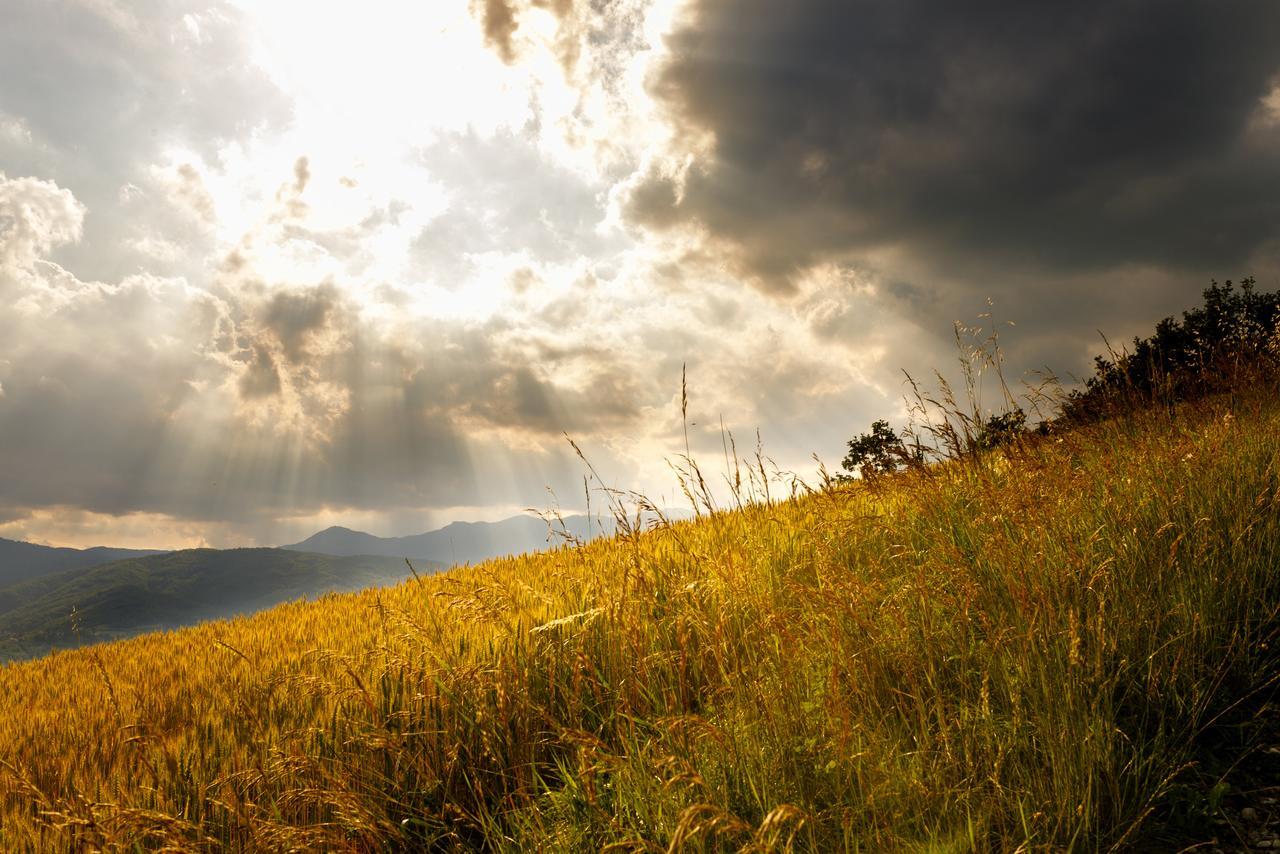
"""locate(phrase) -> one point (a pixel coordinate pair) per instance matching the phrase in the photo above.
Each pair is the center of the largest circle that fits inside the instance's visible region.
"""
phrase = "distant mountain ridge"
(173, 589)
(21, 561)
(118, 593)
(459, 542)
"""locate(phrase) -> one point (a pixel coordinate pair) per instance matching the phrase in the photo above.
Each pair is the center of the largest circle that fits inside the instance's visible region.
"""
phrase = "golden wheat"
(1018, 650)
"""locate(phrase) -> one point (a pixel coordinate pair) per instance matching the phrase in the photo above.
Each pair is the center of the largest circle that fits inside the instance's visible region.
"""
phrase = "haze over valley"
(54, 597)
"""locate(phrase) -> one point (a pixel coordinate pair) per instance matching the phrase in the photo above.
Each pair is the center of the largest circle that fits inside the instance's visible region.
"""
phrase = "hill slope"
(21, 561)
(460, 542)
(174, 589)
(1023, 651)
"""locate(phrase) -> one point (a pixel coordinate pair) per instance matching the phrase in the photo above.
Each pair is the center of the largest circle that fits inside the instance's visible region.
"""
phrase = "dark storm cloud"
(1055, 139)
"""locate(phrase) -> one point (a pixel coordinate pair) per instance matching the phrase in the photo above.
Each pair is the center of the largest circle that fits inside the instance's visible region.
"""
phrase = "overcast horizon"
(267, 267)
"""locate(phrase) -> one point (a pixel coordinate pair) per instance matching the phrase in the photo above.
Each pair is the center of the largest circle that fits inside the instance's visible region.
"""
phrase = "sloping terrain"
(1028, 649)
(175, 589)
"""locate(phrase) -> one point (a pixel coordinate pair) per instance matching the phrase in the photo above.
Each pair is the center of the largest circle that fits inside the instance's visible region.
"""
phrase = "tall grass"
(1016, 651)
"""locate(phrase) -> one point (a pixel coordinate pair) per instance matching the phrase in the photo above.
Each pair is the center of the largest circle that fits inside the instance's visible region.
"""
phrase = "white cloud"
(35, 216)
(14, 130)
(226, 351)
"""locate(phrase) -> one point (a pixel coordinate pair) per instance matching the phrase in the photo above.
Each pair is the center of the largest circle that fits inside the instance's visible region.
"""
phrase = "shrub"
(1001, 429)
(881, 451)
(1228, 342)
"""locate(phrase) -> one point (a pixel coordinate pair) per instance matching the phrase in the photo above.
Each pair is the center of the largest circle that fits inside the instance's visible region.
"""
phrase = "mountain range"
(21, 561)
(116, 593)
(460, 542)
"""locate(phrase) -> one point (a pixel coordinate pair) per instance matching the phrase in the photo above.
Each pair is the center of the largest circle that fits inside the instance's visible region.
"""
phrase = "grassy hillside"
(1022, 650)
(180, 588)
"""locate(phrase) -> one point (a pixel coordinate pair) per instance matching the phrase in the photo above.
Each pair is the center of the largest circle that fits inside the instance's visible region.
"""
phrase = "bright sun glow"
(387, 70)
(397, 281)
(372, 85)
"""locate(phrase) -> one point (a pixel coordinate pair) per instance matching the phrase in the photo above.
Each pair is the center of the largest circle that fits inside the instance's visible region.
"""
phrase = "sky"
(271, 266)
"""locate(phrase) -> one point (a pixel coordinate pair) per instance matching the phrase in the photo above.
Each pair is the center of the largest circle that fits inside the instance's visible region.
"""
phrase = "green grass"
(1024, 651)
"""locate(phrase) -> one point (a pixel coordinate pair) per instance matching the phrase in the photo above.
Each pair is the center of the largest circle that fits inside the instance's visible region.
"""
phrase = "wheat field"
(1018, 651)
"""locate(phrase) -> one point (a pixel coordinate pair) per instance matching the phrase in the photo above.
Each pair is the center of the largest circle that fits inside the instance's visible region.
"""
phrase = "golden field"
(1020, 650)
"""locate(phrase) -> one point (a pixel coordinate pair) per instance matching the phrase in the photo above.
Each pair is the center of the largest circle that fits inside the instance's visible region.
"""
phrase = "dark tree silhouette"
(1229, 340)
(879, 452)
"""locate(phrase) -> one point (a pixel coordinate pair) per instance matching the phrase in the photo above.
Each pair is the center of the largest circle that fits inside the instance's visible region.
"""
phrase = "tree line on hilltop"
(1231, 340)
